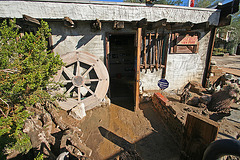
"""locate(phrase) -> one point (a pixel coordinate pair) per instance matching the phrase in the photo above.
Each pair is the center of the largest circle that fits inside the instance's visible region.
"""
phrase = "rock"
(194, 101)
(228, 76)
(63, 156)
(78, 112)
(238, 81)
(205, 99)
(213, 63)
(106, 101)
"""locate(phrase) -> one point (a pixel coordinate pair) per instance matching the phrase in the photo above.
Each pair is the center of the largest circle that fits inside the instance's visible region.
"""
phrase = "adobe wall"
(181, 68)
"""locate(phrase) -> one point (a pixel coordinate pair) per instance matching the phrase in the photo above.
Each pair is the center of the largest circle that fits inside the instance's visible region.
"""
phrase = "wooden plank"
(31, 19)
(150, 53)
(156, 50)
(174, 39)
(209, 56)
(139, 38)
(118, 25)
(167, 49)
(161, 50)
(159, 24)
(144, 52)
(199, 133)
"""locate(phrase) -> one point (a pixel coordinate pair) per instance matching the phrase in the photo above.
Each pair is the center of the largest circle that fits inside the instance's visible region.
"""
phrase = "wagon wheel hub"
(78, 81)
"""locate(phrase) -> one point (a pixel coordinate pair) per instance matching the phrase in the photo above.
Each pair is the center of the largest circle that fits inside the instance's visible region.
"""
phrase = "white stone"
(78, 112)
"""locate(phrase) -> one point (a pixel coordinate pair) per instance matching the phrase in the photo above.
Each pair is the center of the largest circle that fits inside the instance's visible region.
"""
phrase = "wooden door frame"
(137, 46)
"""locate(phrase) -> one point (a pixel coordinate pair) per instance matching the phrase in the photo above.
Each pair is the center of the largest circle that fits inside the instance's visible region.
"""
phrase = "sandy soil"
(112, 130)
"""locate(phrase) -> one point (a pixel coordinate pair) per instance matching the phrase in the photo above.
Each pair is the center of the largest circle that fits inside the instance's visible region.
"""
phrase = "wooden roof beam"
(159, 24)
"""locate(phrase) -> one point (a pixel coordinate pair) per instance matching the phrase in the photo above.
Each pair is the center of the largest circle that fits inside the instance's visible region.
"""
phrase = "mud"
(112, 130)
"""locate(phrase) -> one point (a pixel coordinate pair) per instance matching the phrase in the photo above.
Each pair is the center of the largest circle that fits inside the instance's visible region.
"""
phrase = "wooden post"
(107, 50)
(156, 50)
(150, 53)
(167, 49)
(209, 56)
(139, 38)
(144, 52)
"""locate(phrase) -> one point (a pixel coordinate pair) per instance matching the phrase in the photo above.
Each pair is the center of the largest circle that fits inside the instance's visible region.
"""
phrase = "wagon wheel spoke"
(88, 89)
(78, 69)
(70, 89)
(65, 82)
(91, 80)
(89, 69)
(69, 73)
(79, 94)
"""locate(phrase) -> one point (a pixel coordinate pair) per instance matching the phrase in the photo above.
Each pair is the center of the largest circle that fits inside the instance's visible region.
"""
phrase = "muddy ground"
(114, 131)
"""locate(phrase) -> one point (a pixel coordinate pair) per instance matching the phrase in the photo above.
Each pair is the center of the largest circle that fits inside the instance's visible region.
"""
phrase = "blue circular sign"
(163, 84)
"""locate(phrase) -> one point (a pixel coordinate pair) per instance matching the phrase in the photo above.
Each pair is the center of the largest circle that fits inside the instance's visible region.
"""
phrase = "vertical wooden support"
(160, 50)
(209, 56)
(139, 38)
(174, 41)
(150, 51)
(144, 52)
(107, 50)
(167, 49)
(156, 50)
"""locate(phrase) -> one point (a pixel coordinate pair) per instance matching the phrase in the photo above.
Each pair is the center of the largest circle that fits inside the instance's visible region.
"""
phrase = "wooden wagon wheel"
(84, 79)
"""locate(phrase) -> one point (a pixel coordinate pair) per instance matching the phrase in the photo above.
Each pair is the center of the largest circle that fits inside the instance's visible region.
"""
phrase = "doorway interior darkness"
(121, 70)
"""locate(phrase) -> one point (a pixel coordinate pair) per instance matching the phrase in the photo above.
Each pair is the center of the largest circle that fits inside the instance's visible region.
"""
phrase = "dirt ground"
(113, 131)
(227, 61)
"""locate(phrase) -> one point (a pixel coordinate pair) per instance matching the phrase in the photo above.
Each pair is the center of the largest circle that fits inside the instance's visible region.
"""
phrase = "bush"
(25, 69)
(219, 51)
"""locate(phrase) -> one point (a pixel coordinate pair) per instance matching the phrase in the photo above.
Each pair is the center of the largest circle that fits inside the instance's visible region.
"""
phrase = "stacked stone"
(169, 115)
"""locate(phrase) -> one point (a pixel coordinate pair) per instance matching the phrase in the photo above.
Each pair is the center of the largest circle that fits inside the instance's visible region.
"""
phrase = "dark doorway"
(121, 70)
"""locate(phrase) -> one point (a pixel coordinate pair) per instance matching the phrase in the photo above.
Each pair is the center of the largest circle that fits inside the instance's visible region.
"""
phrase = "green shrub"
(25, 69)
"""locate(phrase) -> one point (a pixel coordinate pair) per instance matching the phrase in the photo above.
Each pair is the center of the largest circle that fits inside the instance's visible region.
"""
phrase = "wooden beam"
(68, 22)
(150, 53)
(156, 50)
(209, 56)
(167, 49)
(139, 38)
(144, 52)
(31, 20)
(204, 25)
(96, 25)
(175, 26)
(118, 25)
(159, 24)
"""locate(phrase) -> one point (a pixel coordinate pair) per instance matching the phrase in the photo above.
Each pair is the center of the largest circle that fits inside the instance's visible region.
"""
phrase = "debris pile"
(217, 98)
(54, 137)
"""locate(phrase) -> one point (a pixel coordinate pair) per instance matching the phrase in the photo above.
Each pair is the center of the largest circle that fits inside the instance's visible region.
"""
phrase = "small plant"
(25, 69)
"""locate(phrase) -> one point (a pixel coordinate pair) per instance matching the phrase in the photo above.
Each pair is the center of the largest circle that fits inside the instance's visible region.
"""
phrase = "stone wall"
(169, 115)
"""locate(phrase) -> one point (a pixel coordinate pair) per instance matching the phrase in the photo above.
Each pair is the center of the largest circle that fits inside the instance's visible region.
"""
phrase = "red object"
(164, 101)
(192, 3)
